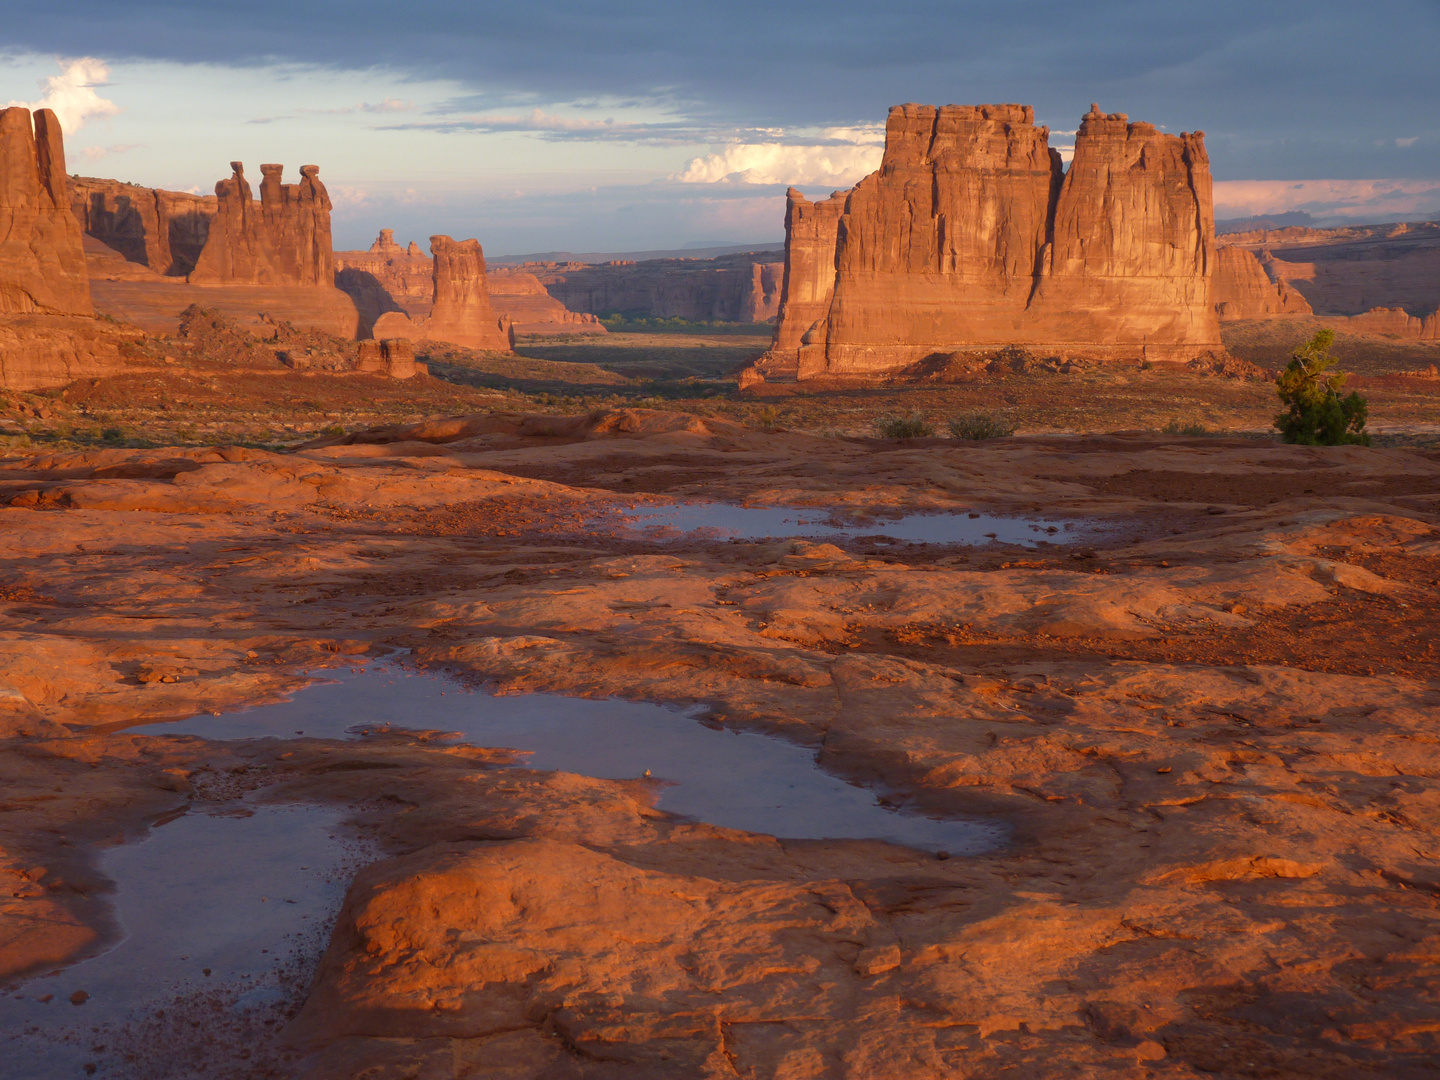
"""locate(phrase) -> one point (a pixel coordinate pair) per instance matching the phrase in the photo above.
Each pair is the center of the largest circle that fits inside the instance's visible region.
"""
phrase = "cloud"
(841, 158)
(72, 93)
(1329, 199)
(95, 153)
(1407, 143)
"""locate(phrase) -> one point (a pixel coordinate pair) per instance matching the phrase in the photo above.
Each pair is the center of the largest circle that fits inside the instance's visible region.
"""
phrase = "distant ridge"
(636, 256)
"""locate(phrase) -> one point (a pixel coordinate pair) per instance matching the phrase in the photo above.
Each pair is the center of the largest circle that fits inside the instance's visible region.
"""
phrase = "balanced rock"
(973, 235)
(42, 260)
(285, 240)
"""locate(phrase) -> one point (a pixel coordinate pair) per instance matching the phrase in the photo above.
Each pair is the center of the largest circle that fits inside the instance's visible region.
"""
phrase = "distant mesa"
(48, 333)
(739, 287)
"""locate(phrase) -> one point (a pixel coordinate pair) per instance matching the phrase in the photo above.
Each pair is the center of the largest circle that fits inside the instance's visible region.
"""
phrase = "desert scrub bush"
(769, 418)
(913, 426)
(1315, 412)
(980, 425)
(1175, 427)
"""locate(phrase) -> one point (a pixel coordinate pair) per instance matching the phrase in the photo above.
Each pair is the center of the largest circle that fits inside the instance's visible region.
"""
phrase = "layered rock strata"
(285, 240)
(729, 288)
(389, 278)
(1244, 291)
(163, 230)
(460, 309)
(48, 333)
(973, 235)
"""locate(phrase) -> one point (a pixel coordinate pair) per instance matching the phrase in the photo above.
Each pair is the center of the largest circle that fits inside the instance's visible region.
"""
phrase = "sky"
(628, 125)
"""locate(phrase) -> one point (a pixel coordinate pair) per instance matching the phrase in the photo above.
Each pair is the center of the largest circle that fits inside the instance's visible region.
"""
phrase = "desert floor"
(1203, 724)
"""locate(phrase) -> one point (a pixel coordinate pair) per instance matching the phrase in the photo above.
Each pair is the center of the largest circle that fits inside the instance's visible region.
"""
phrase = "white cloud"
(95, 153)
(72, 93)
(1327, 198)
(844, 157)
(1407, 142)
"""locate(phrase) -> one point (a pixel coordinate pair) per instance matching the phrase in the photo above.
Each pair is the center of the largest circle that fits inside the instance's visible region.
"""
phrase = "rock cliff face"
(48, 333)
(164, 230)
(731, 288)
(285, 240)
(460, 309)
(42, 261)
(973, 235)
(1243, 290)
(808, 278)
(391, 278)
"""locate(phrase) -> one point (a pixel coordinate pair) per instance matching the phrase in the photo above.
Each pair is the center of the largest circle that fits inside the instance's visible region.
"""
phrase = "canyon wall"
(972, 235)
(730, 288)
(282, 240)
(1243, 290)
(460, 308)
(48, 333)
(164, 230)
(389, 277)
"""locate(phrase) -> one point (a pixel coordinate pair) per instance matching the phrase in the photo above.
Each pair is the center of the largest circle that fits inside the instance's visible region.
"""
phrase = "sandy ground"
(1209, 728)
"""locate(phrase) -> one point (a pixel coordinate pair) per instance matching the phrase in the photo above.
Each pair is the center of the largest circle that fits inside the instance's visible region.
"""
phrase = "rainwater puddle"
(729, 521)
(739, 780)
(248, 893)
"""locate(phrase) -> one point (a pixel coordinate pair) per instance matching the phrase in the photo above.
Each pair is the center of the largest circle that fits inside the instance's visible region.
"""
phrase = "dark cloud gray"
(1284, 88)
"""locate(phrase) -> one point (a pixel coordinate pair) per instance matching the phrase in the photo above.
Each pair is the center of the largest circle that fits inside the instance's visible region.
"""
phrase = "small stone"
(942, 855)
(1150, 1050)
(1163, 769)
(79, 997)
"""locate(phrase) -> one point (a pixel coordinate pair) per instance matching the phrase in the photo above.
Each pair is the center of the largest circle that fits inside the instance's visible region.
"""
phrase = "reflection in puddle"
(739, 780)
(728, 521)
(221, 915)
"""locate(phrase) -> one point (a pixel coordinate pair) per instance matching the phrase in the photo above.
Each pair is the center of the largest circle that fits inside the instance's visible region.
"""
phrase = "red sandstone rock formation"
(730, 288)
(460, 310)
(42, 261)
(973, 235)
(1243, 290)
(48, 335)
(519, 295)
(283, 241)
(164, 230)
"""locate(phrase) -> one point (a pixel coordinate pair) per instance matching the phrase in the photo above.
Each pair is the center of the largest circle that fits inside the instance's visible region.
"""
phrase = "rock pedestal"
(461, 312)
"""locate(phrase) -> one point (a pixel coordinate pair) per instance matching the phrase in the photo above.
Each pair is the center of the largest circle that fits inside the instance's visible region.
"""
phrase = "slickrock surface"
(460, 309)
(48, 333)
(151, 227)
(1209, 728)
(285, 240)
(728, 288)
(973, 235)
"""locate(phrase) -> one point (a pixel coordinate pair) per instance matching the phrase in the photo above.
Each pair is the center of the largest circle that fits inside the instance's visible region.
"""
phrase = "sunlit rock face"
(42, 260)
(1243, 290)
(460, 311)
(162, 230)
(973, 234)
(284, 240)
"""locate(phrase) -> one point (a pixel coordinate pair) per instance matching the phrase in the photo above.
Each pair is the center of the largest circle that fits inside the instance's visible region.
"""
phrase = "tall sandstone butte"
(460, 311)
(285, 240)
(48, 333)
(973, 235)
(42, 259)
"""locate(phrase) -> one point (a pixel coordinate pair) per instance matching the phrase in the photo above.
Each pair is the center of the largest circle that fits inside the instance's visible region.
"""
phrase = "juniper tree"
(1316, 413)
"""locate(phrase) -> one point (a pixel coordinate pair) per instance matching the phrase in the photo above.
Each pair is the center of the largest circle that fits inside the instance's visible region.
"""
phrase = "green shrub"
(980, 425)
(913, 426)
(769, 417)
(1174, 427)
(1315, 413)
